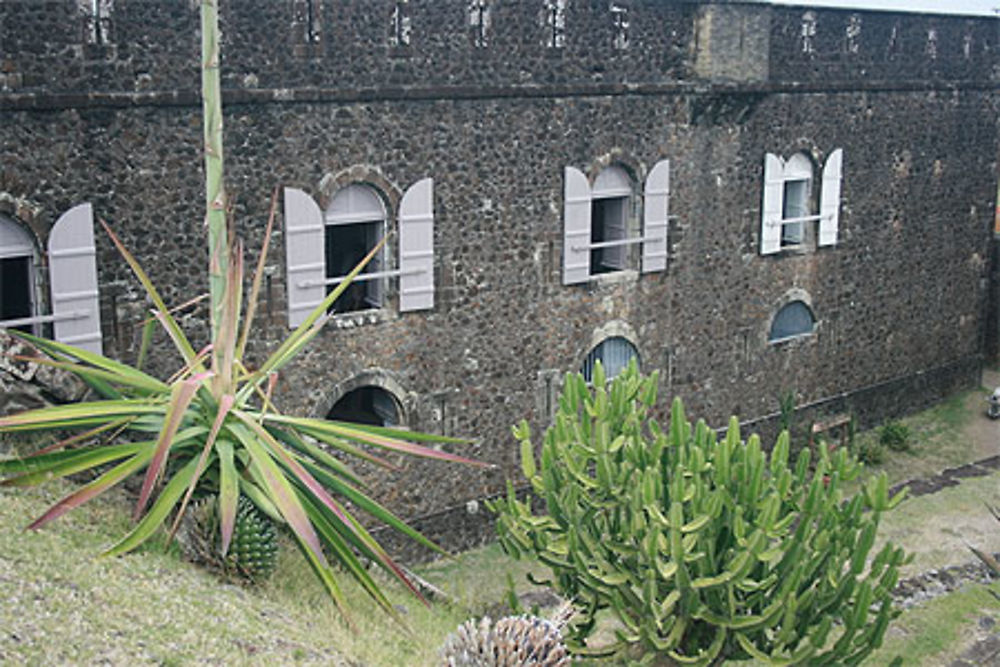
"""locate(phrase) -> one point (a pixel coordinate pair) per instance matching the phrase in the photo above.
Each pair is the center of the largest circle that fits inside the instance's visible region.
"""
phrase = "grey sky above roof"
(967, 7)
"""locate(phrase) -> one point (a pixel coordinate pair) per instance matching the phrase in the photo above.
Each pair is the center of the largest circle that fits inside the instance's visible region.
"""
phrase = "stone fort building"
(755, 200)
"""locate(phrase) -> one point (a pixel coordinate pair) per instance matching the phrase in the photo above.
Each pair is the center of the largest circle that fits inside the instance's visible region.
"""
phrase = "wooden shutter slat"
(770, 219)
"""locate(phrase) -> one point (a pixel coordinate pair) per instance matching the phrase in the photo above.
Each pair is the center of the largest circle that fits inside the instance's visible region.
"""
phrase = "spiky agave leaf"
(218, 430)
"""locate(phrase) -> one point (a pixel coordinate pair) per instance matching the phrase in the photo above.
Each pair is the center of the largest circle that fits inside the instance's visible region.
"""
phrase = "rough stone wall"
(901, 300)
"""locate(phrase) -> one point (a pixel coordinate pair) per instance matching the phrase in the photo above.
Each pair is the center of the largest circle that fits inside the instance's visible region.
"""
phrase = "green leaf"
(162, 312)
(158, 513)
(93, 489)
(180, 399)
(228, 492)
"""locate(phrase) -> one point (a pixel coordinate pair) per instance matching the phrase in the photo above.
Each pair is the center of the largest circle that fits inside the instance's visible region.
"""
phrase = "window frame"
(776, 230)
(582, 203)
(18, 243)
(594, 355)
(376, 219)
(790, 302)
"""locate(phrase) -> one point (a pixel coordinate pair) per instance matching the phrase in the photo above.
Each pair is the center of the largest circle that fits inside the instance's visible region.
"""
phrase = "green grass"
(938, 631)
(936, 528)
(62, 604)
(940, 438)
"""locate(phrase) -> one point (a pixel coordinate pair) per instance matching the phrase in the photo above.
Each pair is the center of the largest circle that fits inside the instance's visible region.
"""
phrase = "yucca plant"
(213, 425)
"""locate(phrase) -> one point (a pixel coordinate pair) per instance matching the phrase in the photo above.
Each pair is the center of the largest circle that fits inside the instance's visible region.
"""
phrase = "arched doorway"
(368, 404)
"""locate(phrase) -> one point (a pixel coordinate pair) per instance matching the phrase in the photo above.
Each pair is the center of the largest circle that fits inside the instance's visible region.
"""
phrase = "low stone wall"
(26, 385)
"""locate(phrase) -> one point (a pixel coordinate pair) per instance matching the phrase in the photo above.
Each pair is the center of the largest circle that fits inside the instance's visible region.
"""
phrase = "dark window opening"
(795, 204)
(793, 320)
(346, 246)
(368, 405)
(15, 290)
(614, 354)
(608, 219)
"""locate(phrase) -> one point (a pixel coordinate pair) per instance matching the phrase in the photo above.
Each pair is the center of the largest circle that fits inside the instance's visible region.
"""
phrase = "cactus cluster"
(253, 551)
(701, 547)
(512, 642)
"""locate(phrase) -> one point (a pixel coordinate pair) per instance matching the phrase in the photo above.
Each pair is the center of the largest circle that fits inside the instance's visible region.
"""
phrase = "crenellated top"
(479, 47)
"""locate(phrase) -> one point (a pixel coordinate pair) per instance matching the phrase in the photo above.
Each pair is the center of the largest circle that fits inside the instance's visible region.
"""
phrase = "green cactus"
(702, 548)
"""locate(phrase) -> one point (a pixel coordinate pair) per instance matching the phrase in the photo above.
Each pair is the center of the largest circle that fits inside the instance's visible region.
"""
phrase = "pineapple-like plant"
(512, 641)
(253, 552)
(701, 548)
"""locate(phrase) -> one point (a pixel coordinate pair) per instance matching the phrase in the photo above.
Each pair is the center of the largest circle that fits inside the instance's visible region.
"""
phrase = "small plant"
(895, 435)
(869, 452)
(786, 410)
(253, 551)
(701, 548)
(512, 641)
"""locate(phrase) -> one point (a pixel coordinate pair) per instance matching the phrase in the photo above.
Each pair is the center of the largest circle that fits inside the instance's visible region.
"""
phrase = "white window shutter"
(416, 247)
(305, 262)
(73, 280)
(829, 202)
(576, 229)
(770, 218)
(656, 209)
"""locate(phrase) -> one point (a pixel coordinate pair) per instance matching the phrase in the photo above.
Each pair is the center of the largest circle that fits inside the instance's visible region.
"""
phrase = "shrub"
(895, 435)
(700, 548)
(870, 452)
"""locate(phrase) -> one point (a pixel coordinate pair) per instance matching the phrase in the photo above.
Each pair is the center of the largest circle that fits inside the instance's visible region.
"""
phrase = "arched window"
(17, 275)
(793, 320)
(610, 204)
(614, 354)
(598, 224)
(790, 206)
(354, 224)
(369, 405)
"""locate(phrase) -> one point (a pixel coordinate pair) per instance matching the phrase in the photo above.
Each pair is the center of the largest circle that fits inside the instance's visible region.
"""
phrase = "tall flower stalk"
(215, 192)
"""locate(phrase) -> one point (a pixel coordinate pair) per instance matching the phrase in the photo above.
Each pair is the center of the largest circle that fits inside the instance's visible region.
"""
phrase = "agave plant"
(213, 425)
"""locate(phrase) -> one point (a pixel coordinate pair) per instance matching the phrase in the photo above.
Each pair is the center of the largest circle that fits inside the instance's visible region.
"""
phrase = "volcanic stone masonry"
(493, 100)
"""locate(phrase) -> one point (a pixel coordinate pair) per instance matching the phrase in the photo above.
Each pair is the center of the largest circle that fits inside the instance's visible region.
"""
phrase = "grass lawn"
(63, 604)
